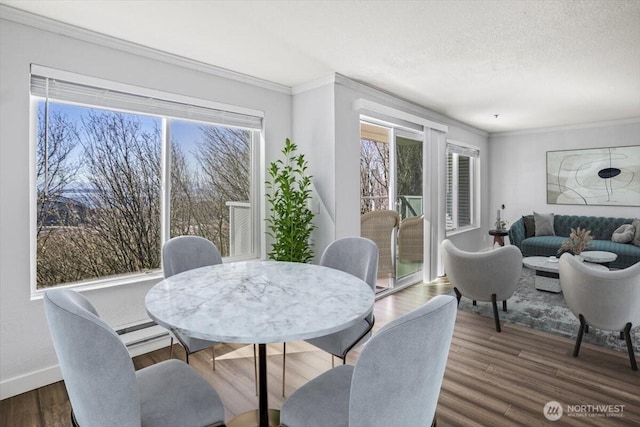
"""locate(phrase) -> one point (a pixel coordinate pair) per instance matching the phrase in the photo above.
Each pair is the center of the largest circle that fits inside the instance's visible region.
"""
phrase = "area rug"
(547, 312)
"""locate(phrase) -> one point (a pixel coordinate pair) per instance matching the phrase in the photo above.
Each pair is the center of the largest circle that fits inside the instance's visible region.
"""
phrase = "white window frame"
(228, 115)
(474, 177)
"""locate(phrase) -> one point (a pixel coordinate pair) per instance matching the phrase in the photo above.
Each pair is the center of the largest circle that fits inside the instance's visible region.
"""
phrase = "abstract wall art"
(596, 176)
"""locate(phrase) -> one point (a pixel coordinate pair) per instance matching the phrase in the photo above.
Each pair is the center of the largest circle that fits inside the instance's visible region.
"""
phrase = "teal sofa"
(601, 229)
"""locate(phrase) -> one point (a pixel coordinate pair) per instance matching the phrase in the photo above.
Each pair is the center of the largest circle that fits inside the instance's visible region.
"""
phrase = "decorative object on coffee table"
(578, 241)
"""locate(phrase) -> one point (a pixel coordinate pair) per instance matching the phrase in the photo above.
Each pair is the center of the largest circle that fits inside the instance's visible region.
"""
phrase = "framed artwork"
(595, 176)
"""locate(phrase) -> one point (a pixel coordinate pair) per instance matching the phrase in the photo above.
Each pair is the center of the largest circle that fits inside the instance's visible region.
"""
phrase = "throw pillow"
(529, 226)
(636, 237)
(623, 234)
(543, 224)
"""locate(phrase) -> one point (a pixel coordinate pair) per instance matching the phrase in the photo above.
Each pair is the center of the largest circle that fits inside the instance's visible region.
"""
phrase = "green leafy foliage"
(291, 220)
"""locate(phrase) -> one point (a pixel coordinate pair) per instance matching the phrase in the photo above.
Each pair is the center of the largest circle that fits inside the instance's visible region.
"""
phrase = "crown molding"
(47, 24)
(314, 84)
(402, 104)
(632, 120)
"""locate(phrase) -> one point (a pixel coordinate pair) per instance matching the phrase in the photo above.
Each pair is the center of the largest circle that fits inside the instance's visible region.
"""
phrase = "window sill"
(133, 279)
(155, 275)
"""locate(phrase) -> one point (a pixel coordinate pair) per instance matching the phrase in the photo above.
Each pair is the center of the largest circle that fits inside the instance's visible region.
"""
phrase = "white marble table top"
(599, 256)
(260, 301)
(543, 263)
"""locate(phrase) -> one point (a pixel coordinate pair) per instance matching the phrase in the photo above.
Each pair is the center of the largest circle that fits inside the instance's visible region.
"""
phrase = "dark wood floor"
(492, 379)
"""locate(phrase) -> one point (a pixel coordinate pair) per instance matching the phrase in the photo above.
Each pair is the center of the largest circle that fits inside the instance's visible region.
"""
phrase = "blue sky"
(185, 133)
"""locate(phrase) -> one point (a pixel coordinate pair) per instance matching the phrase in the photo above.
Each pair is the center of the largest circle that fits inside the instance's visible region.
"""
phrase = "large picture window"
(462, 172)
(118, 173)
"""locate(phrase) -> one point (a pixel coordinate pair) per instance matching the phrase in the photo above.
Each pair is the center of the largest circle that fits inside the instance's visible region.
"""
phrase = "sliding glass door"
(409, 204)
(391, 204)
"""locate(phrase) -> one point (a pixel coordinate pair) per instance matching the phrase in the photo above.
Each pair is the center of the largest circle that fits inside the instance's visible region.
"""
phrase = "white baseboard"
(18, 385)
(155, 339)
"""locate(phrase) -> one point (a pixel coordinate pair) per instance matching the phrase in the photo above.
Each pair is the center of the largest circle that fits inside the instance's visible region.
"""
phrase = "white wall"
(518, 167)
(27, 358)
(314, 133)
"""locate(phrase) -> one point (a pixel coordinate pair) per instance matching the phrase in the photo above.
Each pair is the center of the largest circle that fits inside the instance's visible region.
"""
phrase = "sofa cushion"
(543, 224)
(529, 225)
(623, 234)
(636, 238)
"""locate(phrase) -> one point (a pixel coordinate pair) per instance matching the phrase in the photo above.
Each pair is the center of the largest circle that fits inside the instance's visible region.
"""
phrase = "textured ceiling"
(535, 63)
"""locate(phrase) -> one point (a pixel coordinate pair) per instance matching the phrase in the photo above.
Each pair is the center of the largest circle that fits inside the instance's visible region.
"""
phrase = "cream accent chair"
(411, 239)
(483, 276)
(379, 226)
(608, 300)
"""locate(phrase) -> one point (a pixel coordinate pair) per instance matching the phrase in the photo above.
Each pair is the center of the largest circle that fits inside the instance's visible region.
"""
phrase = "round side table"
(498, 236)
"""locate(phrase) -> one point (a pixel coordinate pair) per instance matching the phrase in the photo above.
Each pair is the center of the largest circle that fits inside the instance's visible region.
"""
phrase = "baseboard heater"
(141, 333)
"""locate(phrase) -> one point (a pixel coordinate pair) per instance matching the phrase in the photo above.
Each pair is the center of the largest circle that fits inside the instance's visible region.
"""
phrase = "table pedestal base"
(252, 419)
(547, 281)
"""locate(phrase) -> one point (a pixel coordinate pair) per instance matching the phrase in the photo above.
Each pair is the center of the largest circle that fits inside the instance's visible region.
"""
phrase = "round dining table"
(259, 302)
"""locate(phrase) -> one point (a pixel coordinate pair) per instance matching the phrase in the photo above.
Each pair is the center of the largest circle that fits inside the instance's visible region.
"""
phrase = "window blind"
(67, 91)
(464, 191)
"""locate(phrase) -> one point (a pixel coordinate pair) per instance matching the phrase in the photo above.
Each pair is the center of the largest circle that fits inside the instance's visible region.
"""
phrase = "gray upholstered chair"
(103, 387)
(608, 300)
(184, 253)
(483, 276)
(357, 256)
(395, 382)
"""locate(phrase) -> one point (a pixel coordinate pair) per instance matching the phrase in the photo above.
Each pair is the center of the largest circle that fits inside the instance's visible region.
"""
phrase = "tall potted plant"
(291, 220)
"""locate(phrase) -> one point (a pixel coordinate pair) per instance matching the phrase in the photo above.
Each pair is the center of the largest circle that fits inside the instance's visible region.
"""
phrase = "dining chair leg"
(255, 368)
(494, 302)
(504, 305)
(627, 337)
(458, 294)
(284, 359)
(171, 349)
(213, 358)
(583, 325)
